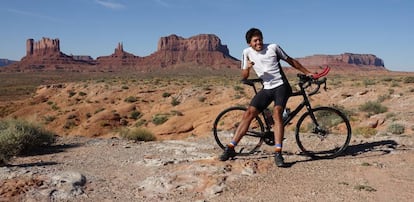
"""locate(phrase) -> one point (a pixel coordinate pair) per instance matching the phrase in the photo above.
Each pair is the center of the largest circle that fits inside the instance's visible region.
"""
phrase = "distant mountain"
(5, 62)
(344, 61)
(173, 52)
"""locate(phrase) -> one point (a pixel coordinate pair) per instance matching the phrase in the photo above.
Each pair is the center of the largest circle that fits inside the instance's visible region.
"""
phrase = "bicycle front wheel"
(324, 132)
(225, 126)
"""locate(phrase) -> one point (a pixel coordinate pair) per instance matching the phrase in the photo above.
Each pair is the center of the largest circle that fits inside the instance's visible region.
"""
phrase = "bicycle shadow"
(377, 148)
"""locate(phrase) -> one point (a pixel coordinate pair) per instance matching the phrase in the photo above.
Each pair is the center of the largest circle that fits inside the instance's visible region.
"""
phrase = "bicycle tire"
(334, 126)
(225, 126)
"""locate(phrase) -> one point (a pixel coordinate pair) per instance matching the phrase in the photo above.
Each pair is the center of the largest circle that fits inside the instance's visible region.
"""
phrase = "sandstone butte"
(203, 50)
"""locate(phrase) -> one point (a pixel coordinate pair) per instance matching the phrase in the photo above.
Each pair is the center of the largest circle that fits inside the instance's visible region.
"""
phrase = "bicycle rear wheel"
(225, 127)
(323, 133)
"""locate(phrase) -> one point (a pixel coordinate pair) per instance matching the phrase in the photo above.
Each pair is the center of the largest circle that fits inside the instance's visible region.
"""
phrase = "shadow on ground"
(377, 148)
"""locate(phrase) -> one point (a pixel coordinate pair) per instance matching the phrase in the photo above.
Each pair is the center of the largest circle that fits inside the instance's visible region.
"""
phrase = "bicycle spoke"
(226, 125)
(325, 138)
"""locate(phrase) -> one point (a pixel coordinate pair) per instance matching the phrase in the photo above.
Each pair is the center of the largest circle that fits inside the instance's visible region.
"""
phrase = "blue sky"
(384, 28)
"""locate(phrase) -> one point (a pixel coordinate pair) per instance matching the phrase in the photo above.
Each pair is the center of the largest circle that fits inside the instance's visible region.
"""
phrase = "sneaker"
(279, 160)
(228, 153)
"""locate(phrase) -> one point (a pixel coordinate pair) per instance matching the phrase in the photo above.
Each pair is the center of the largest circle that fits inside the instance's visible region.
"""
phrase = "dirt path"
(84, 169)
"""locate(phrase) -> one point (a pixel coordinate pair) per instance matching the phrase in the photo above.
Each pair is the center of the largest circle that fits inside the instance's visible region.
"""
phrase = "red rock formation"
(45, 55)
(173, 51)
(345, 60)
(118, 59)
(43, 47)
(200, 51)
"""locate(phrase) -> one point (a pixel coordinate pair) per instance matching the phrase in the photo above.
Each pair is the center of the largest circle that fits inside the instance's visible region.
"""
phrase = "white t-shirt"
(266, 63)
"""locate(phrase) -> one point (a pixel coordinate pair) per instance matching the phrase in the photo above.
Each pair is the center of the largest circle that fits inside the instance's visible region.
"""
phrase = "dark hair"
(253, 32)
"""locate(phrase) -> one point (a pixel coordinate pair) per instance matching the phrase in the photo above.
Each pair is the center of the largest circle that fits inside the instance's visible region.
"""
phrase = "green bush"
(137, 134)
(175, 101)
(364, 131)
(159, 119)
(82, 93)
(166, 94)
(396, 128)
(131, 99)
(19, 137)
(373, 107)
(409, 79)
(135, 114)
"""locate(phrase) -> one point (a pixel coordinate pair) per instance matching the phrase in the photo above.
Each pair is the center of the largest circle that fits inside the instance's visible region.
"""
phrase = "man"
(265, 60)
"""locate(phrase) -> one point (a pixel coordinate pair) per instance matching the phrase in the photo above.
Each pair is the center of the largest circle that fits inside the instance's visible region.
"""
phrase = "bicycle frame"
(301, 92)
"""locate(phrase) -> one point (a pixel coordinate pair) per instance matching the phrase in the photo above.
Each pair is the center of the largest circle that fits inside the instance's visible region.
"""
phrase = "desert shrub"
(395, 84)
(99, 110)
(69, 124)
(175, 101)
(55, 107)
(364, 188)
(125, 87)
(373, 107)
(238, 88)
(382, 98)
(19, 137)
(159, 119)
(396, 128)
(368, 82)
(176, 113)
(82, 93)
(135, 115)
(202, 99)
(364, 131)
(165, 94)
(387, 79)
(137, 134)
(409, 79)
(131, 99)
(71, 93)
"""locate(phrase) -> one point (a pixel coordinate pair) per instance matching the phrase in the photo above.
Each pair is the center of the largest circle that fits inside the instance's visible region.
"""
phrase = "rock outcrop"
(118, 59)
(203, 51)
(345, 60)
(46, 55)
(174, 51)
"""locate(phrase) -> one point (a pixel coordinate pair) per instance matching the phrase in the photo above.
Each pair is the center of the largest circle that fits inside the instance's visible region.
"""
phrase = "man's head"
(254, 38)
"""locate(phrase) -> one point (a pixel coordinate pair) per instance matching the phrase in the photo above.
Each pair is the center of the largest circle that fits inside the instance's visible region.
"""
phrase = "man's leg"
(279, 132)
(241, 130)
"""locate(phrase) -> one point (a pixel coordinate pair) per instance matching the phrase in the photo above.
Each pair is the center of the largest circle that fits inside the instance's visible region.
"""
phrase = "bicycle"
(320, 132)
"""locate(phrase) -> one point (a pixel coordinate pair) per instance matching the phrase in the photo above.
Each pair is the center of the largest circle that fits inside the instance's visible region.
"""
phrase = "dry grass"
(101, 103)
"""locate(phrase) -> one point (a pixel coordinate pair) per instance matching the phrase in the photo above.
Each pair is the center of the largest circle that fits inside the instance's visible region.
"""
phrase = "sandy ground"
(374, 169)
(90, 163)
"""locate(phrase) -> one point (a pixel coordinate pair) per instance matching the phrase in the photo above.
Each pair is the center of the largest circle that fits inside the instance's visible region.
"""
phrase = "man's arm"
(294, 63)
(246, 72)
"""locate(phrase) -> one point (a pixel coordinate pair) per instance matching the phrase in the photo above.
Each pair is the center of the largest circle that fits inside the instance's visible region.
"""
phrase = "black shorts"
(278, 95)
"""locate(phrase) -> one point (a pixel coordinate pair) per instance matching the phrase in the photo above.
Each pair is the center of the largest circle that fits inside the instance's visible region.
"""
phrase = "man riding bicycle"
(265, 60)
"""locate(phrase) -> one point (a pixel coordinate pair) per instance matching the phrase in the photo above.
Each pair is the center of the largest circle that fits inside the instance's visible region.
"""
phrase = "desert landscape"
(177, 103)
